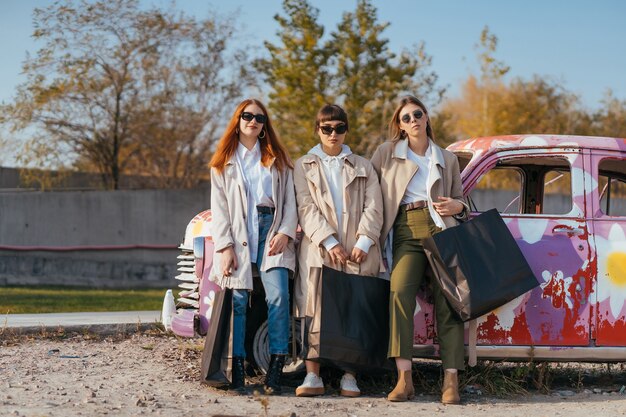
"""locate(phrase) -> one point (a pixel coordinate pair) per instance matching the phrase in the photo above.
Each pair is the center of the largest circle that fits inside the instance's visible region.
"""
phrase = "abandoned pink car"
(564, 200)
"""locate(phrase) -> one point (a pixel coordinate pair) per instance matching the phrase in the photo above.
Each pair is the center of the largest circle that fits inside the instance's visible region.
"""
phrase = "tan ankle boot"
(450, 389)
(404, 390)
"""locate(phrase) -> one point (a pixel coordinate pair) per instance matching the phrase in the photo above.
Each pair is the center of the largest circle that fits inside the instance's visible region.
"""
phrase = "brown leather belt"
(414, 205)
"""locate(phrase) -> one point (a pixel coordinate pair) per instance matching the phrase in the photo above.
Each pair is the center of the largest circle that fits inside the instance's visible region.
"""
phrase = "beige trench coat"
(362, 216)
(229, 208)
(395, 171)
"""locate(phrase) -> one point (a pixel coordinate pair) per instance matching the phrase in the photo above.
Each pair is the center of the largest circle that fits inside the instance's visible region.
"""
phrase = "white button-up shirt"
(258, 181)
(333, 171)
(416, 190)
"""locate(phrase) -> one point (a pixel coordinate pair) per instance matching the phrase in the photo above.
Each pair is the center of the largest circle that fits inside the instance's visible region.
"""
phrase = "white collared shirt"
(332, 166)
(258, 181)
(417, 190)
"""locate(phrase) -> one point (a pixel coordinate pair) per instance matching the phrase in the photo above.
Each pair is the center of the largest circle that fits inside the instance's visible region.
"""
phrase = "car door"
(540, 194)
(609, 237)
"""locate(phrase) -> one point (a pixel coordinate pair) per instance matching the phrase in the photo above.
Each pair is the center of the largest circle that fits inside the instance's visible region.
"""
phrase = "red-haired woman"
(254, 222)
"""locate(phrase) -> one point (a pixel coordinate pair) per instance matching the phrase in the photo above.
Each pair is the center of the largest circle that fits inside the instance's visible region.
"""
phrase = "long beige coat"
(395, 171)
(229, 208)
(362, 216)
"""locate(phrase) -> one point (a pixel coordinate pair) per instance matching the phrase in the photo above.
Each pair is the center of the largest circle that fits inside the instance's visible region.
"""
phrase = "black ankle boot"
(239, 377)
(275, 374)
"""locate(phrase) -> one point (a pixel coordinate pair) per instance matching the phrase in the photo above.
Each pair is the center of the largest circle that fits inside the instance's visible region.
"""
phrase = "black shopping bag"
(353, 330)
(478, 265)
(216, 366)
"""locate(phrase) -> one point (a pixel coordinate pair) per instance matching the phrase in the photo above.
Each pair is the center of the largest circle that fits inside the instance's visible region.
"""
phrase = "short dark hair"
(330, 112)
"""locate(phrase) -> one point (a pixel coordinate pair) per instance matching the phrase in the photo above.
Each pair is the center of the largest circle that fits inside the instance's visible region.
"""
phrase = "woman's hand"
(358, 255)
(229, 261)
(448, 206)
(338, 254)
(278, 244)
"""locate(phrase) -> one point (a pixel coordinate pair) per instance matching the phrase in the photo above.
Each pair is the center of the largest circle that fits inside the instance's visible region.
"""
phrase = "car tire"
(261, 356)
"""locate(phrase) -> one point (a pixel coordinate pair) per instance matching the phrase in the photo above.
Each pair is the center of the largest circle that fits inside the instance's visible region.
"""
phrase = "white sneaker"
(312, 386)
(349, 387)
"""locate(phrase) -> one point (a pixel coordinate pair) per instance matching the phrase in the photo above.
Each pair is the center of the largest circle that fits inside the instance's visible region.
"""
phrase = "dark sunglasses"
(247, 116)
(417, 114)
(328, 130)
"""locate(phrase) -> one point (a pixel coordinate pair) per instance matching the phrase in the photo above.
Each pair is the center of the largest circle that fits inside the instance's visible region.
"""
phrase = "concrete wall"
(101, 220)
(104, 220)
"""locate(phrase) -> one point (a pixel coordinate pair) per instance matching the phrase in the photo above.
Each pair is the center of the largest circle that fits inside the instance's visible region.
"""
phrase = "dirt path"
(155, 375)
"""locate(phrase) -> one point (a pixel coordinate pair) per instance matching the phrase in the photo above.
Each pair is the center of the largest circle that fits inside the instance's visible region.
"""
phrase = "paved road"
(79, 319)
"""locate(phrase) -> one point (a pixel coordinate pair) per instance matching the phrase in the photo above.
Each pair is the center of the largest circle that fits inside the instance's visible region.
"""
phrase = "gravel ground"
(153, 374)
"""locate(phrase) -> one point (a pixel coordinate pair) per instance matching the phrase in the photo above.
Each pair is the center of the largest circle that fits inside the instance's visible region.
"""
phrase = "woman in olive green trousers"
(422, 194)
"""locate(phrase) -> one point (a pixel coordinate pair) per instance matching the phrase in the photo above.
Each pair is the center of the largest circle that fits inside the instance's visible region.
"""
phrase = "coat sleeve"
(313, 223)
(221, 226)
(289, 223)
(371, 221)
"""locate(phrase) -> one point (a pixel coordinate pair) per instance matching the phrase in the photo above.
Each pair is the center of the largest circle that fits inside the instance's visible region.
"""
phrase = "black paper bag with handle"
(216, 366)
(353, 328)
(478, 265)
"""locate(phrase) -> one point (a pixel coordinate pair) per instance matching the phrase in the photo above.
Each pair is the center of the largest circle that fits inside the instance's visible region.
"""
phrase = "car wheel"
(261, 355)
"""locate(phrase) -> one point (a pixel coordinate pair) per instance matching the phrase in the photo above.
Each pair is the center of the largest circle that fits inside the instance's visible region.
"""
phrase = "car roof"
(495, 143)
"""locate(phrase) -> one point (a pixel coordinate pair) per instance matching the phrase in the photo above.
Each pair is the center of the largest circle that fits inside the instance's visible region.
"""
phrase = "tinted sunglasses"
(417, 114)
(328, 130)
(247, 116)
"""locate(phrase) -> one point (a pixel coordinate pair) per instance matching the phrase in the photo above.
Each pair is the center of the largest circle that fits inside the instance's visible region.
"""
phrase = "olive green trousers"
(407, 275)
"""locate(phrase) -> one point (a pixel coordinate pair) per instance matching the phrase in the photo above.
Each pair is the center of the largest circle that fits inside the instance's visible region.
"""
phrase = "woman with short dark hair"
(340, 212)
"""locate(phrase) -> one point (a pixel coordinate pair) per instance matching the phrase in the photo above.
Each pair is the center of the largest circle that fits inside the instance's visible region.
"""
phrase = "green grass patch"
(19, 300)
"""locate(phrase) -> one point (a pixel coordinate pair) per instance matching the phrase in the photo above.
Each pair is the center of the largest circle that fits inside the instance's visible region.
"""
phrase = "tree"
(490, 106)
(491, 73)
(354, 68)
(370, 76)
(118, 89)
(297, 73)
(491, 70)
(610, 119)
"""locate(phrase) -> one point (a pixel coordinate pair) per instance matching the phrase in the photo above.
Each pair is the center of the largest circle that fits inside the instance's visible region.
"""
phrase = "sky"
(579, 43)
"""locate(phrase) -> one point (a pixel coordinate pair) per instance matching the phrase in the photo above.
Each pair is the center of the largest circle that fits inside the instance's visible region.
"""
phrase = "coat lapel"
(436, 168)
(275, 183)
(234, 171)
(405, 168)
(314, 175)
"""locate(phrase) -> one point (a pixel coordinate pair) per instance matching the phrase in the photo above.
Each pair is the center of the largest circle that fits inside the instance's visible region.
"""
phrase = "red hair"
(271, 147)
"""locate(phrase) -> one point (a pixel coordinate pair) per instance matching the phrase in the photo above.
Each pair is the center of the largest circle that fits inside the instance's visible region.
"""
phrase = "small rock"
(597, 391)
(566, 393)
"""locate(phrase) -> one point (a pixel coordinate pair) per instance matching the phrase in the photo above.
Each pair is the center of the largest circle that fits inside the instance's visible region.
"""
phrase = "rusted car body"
(564, 200)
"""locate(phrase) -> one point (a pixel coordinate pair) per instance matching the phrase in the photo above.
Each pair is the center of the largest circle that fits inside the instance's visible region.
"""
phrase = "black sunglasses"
(328, 130)
(247, 116)
(417, 114)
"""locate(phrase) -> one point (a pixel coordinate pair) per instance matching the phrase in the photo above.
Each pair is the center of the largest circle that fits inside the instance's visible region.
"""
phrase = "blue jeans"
(276, 284)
